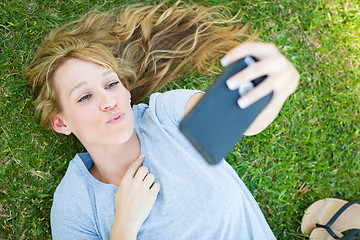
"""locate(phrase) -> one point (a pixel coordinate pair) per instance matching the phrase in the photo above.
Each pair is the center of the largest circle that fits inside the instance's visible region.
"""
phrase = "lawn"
(310, 152)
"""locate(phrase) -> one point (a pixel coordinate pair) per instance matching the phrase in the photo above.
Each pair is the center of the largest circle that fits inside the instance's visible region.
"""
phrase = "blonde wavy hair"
(147, 46)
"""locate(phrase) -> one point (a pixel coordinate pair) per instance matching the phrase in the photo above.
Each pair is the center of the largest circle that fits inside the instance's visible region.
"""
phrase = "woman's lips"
(116, 118)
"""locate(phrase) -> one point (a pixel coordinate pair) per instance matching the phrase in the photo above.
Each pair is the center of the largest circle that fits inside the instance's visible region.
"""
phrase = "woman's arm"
(282, 79)
(133, 201)
(192, 102)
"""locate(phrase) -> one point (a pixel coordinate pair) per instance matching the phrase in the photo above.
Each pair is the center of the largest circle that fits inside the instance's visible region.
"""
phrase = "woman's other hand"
(282, 79)
(134, 200)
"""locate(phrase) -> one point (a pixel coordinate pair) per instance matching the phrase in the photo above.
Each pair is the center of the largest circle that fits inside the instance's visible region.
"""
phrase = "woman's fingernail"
(141, 156)
(223, 62)
(231, 84)
(242, 103)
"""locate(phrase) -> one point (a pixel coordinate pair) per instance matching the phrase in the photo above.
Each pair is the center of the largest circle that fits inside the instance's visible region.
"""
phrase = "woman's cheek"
(87, 113)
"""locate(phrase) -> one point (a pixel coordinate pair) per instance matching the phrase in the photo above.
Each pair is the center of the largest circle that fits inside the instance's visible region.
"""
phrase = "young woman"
(141, 179)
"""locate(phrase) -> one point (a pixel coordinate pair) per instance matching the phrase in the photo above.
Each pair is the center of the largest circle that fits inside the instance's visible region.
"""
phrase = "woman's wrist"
(120, 230)
(121, 235)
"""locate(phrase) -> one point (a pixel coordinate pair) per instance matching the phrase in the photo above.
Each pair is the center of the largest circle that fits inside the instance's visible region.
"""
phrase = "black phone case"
(217, 123)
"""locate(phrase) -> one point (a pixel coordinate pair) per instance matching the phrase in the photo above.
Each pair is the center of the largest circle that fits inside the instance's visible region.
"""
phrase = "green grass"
(310, 152)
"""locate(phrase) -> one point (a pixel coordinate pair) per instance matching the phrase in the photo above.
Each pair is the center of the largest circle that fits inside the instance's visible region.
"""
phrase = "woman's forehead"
(79, 68)
(76, 72)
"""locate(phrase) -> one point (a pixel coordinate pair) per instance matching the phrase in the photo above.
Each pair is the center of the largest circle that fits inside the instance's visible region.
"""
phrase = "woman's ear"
(58, 124)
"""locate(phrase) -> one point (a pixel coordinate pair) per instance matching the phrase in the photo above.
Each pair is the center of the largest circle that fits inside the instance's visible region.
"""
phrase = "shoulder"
(171, 105)
(76, 177)
(165, 108)
(172, 97)
(71, 207)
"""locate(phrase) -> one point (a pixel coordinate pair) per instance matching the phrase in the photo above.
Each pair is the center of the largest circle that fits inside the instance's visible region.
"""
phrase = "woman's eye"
(111, 85)
(84, 98)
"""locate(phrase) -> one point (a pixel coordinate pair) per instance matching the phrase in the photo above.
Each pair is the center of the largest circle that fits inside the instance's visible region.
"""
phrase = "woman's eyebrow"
(84, 83)
(108, 72)
(77, 86)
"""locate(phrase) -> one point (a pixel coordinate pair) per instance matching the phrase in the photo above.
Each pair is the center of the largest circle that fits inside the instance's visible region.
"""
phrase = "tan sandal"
(334, 213)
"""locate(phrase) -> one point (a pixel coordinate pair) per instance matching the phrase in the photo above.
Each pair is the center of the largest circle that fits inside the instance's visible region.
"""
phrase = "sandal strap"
(334, 218)
(329, 230)
(339, 212)
(352, 235)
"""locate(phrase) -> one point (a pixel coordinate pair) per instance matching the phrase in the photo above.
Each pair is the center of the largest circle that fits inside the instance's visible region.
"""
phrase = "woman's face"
(95, 105)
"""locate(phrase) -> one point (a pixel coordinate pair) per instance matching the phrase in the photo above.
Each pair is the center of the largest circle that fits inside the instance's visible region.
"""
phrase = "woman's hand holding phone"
(282, 79)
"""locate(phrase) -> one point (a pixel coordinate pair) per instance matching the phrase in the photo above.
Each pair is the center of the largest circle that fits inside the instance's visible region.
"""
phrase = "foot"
(322, 211)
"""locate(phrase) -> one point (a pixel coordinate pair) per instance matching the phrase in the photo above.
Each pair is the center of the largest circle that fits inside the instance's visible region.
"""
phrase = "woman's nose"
(107, 101)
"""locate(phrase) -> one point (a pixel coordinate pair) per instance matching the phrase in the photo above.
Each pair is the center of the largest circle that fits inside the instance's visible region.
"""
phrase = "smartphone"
(216, 123)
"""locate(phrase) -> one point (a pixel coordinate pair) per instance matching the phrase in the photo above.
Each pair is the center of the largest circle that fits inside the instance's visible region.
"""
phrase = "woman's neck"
(111, 162)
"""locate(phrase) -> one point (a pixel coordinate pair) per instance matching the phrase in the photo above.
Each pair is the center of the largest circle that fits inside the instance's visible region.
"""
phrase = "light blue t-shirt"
(196, 201)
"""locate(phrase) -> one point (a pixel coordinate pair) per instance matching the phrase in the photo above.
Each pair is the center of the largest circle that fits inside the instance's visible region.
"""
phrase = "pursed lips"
(116, 117)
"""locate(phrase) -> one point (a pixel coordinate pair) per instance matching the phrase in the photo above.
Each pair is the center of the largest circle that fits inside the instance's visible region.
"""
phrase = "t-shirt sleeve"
(68, 222)
(71, 212)
(169, 107)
